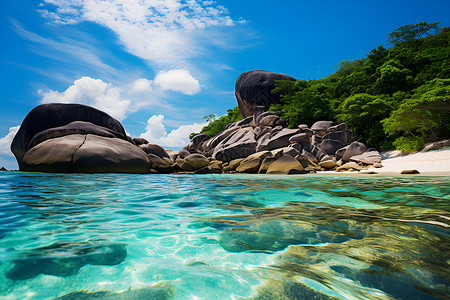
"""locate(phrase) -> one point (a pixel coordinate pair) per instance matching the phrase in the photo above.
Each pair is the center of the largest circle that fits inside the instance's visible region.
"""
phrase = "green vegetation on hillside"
(217, 125)
(393, 97)
(397, 97)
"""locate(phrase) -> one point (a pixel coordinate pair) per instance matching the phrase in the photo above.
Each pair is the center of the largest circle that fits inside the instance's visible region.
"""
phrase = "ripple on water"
(223, 236)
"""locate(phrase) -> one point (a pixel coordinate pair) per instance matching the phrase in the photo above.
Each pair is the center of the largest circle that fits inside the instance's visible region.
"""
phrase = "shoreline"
(428, 163)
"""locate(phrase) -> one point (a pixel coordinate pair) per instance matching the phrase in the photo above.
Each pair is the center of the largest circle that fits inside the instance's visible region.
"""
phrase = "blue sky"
(159, 66)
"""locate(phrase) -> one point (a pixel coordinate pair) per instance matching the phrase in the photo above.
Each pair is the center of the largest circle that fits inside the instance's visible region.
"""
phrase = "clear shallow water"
(117, 236)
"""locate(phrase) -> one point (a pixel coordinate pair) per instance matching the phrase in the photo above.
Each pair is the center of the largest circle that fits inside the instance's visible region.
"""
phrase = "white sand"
(435, 162)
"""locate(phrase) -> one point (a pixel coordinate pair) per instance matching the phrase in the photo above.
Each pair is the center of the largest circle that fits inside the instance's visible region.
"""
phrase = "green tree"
(363, 113)
(411, 32)
(216, 125)
(426, 116)
(302, 101)
(210, 118)
(393, 77)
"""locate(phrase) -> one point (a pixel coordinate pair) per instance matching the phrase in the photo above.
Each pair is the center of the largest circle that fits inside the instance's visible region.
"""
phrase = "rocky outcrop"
(48, 116)
(77, 138)
(262, 146)
(254, 88)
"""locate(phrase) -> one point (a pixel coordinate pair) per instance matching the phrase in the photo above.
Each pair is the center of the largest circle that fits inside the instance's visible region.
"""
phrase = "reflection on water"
(117, 236)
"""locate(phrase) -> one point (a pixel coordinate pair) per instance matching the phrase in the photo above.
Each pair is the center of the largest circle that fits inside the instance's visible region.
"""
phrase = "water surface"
(111, 236)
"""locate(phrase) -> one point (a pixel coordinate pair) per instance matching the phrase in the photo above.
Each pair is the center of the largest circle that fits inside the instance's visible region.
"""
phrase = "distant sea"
(121, 236)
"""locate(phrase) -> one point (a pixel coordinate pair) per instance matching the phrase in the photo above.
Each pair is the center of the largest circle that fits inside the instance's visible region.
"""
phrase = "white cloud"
(115, 100)
(162, 32)
(93, 92)
(178, 80)
(141, 85)
(156, 132)
(5, 142)
(66, 51)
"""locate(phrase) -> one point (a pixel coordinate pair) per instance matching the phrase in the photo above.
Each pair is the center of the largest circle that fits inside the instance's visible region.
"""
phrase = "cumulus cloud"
(157, 133)
(93, 92)
(141, 85)
(159, 31)
(178, 80)
(115, 100)
(5, 142)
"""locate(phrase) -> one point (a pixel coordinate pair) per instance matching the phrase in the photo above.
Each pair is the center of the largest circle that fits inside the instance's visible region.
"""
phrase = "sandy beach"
(436, 162)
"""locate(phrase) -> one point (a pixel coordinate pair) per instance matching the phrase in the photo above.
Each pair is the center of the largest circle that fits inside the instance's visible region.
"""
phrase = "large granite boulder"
(109, 155)
(197, 141)
(355, 148)
(85, 154)
(47, 116)
(286, 165)
(369, 157)
(275, 139)
(252, 162)
(77, 138)
(154, 149)
(159, 164)
(254, 88)
(240, 144)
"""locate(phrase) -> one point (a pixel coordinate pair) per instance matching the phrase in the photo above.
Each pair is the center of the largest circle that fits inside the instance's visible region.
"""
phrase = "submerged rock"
(159, 291)
(49, 261)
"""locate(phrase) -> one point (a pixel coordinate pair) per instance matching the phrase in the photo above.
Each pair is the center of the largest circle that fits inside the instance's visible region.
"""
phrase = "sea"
(224, 236)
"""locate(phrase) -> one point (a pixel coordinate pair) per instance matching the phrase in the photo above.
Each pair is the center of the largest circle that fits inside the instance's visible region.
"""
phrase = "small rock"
(269, 120)
(348, 166)
(339, 127)
(355, 148)
(304, 136)
(215, 166)
(286, 165)
(370, 157)
(327, 163)
(3, 169)
(409, 172)
(235, 163)
(154, 149)
(368, 172)
(377, 165)
(196, 161)
(158, 164)
(265, 164)
(140, 141)
(249, 166)
(322, 125)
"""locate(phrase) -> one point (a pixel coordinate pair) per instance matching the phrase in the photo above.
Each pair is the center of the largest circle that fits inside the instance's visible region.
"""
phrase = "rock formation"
(75, 138)
(79, 138)
(261, 146)
(254, 88)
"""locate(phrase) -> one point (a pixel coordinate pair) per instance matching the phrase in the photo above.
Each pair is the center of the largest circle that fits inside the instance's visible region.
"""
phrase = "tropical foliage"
(217, 125)
(393, 97)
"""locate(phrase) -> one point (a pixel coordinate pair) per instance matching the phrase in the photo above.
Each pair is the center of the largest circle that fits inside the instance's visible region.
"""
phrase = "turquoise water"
(117, 236)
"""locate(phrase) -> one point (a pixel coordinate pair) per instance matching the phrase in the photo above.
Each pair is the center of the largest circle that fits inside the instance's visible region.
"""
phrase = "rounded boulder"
(254, 88)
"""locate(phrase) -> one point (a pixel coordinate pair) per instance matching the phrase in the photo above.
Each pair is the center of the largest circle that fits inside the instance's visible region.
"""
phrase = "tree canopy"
(392, 97)
(409, 33)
